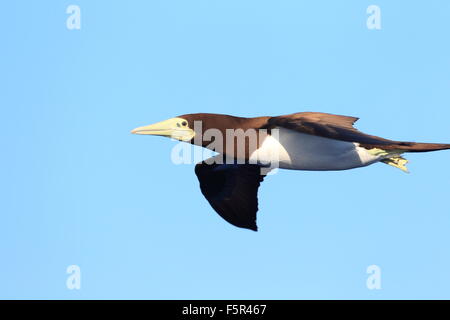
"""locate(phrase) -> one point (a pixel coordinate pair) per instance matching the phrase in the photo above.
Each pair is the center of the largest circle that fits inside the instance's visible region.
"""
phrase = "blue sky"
(78, 189)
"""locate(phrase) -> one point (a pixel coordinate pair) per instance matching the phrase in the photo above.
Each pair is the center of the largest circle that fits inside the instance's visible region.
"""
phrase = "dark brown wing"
(232, 191)
(327, 126)
(341, 128)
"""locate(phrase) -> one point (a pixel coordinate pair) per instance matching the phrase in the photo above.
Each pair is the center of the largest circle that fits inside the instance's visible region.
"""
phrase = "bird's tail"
(421, 147)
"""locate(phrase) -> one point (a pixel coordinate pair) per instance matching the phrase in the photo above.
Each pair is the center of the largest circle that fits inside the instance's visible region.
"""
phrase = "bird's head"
(188, 126)
(179, 128)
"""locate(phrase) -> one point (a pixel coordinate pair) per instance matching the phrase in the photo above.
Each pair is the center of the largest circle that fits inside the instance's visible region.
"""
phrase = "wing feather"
(232, 191)
(328, 126)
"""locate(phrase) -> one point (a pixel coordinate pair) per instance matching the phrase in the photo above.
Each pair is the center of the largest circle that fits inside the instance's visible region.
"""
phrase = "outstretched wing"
(341, 128)
(328, 126)
(232, 191)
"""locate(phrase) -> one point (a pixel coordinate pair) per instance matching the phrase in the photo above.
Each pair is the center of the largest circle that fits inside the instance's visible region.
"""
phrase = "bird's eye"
(184, 123)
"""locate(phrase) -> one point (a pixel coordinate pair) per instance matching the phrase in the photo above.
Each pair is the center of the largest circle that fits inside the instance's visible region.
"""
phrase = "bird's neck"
(235, 137)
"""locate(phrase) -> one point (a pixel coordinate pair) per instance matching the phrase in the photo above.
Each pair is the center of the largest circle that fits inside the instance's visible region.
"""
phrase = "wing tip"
(252, 227)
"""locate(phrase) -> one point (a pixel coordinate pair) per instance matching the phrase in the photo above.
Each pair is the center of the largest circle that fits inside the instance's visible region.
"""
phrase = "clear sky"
(77, 188)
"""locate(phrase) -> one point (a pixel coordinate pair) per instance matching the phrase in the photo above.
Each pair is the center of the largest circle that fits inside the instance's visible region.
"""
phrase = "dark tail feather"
(420, 147)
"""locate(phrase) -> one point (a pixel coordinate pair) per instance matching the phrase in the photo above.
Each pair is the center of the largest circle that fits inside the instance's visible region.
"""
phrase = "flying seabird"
(248, 148)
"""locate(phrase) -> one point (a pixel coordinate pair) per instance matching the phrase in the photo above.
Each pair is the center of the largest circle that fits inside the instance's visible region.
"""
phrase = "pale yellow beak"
(175, 128)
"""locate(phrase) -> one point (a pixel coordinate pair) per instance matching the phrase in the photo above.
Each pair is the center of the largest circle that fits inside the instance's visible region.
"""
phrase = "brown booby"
(248, 148)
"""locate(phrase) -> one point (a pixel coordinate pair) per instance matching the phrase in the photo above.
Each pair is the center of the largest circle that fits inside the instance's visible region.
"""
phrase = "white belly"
(298, 151)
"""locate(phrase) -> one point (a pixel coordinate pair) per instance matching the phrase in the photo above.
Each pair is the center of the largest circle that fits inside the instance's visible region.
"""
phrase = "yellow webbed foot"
(397, 162)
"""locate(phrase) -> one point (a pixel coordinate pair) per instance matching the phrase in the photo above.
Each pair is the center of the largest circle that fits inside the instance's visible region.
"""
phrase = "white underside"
(299, 151)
